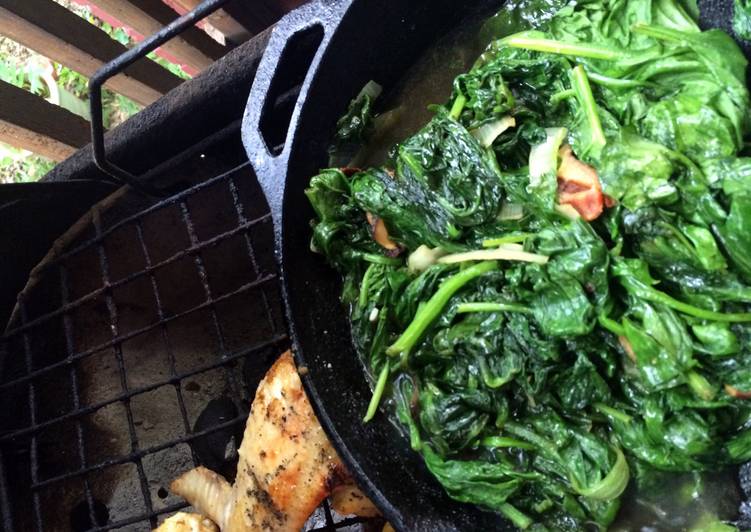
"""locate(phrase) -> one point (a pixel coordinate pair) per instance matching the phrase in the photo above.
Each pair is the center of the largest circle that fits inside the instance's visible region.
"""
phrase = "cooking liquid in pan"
(405, 109)
(667, 501)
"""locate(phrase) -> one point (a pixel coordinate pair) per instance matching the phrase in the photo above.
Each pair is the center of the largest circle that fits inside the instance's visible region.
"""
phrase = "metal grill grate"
(146, 317)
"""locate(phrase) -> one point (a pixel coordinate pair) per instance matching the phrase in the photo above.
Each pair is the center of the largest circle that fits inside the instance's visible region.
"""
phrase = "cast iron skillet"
(331, 48)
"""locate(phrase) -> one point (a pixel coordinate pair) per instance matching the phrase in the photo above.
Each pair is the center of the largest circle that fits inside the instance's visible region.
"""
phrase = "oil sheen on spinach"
(542, 364)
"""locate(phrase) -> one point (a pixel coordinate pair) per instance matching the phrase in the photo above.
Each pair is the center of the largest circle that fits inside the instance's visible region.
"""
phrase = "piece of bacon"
(377, 226)
(626, 345)
(381, 235)
(349, 171)
(578, 185)
(735, 393)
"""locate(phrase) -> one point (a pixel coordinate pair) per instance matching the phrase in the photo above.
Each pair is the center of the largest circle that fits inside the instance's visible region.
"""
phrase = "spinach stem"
(615, 83)
(374, 258)
(656, 296)
(364, 287)
(508, 239)
(657, 32)
(377, 393)
(700, 386)
(515, 516)
(458, 106)
(612, 412)
(543, 445)
(410, 161)
(433, 307)
(493, 160)
(563, 95)
(482, 306)
(611, 486)
(611, 325)
(587, 101)
(502, 441)
(564, 48)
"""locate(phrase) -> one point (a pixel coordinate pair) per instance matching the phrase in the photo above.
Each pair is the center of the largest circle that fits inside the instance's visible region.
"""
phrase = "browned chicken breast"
(347, 499)
(287, 465)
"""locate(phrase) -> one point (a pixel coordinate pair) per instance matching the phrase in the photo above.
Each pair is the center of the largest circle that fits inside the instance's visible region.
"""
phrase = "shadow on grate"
(134, 352)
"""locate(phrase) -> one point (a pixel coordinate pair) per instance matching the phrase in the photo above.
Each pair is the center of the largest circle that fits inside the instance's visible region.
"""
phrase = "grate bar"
(137, 455)
(192, 250)
(68, 328)
(138, 518)
(114, 323)
(327, 513)
(172, 200)
(33, 447)
(242, 219)
(137, 332)
(6, 512)
(204, 276)
(349, 521)
(165, 338)
(144, 389)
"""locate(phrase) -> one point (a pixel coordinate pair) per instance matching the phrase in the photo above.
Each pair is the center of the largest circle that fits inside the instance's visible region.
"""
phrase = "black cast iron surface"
(349, 43)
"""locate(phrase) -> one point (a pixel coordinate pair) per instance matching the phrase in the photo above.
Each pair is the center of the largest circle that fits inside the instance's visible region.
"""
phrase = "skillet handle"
(271, 117)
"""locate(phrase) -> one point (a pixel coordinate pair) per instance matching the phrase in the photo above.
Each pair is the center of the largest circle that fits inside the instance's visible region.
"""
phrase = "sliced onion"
(423, 258)
(372, 89)
(568, 211)
(487, 133)
(494, 254)
(510, 211)
(543, 158)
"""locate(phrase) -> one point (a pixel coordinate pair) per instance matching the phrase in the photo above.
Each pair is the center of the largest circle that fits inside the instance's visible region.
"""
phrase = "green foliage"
(26, 76)
(18, 166)
(535, 388)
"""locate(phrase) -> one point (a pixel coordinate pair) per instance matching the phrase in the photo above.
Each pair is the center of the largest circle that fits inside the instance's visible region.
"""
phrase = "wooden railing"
(28, 121)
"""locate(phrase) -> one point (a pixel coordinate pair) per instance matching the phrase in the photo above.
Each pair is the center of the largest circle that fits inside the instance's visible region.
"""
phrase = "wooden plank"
(222, 21)
(39, 144)
(192, 47)
(55, 32)
(257, 15)
(260, 16)
(30, 122)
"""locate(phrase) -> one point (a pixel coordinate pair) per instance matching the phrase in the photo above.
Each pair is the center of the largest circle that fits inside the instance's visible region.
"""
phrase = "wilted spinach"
(742, 19)
(536, 359)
